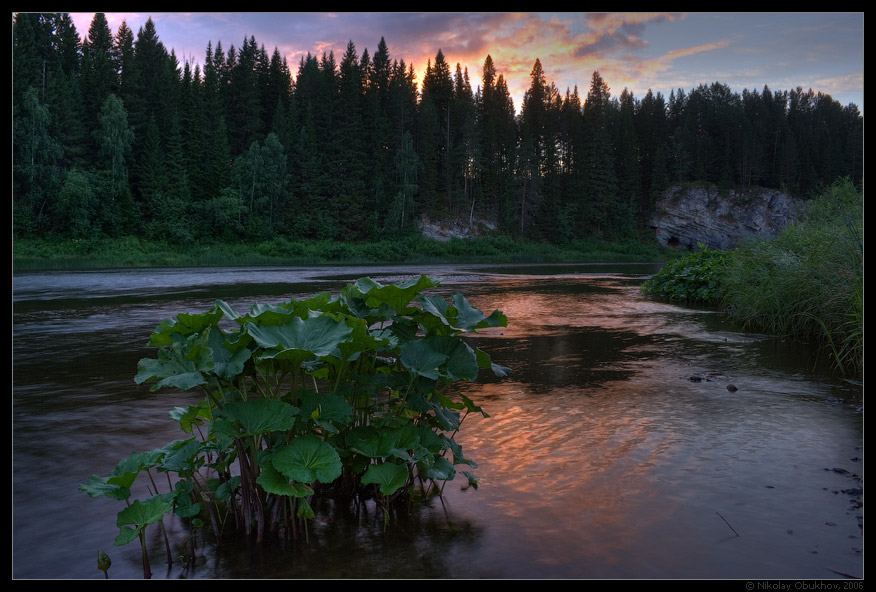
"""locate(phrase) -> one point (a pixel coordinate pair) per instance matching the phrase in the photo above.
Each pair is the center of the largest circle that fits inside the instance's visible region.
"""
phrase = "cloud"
(634, 50)
(616, 32)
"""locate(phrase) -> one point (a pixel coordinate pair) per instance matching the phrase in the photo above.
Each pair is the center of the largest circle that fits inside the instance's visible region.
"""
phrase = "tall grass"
(808, 282)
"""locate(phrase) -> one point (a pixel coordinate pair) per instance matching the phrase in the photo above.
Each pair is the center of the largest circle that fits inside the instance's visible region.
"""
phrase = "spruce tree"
(602, 211)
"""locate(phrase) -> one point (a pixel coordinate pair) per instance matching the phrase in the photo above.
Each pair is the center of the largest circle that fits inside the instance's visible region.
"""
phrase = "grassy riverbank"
(808, 282)
(128, 252)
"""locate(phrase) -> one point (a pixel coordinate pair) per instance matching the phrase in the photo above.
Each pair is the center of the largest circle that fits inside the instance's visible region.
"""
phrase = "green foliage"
(100, 252)
(343, 396)
(808, 282)
(237, 152)
(697, 277)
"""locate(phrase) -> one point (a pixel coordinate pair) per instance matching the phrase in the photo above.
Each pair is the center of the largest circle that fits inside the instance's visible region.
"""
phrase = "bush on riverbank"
(808, 282)
(694, 278)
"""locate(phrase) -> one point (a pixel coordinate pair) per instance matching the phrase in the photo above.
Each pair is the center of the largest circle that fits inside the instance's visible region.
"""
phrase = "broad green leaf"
(260, 416)
(470, 319)
(191, 416)
(441, 469)
(434, 442)
(448, 402)
(446, 419)
(267, 314)
(227, 310)
(389, 476)
(138, 461)
(308, 459)
(438, 310)
(383, 443)
(185, 324)
(396, 296)
(224, 491)
(125, 472)
(360, 340)
(467, 317)
(98, 486)
(484, 361)
(422, 358)
(227, 363)
(126, 535)
(328, 407)
(140, 515)
(299, 339)
(322, 303)
(185, 507)
(440, 356)
(170, 370)
(272, 481)
(462, 363)
(182, 456)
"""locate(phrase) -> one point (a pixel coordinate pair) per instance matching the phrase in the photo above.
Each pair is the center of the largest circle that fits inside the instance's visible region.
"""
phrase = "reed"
(808, 282)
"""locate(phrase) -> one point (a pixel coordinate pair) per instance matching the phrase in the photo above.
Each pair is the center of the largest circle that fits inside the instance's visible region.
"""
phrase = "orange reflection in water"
(571, 453)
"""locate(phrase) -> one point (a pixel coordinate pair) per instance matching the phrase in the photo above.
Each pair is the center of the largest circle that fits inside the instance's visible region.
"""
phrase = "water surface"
(613, 450)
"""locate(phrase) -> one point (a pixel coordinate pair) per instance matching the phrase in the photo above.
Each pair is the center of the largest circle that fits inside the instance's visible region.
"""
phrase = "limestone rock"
(686, 216)
(447, 229)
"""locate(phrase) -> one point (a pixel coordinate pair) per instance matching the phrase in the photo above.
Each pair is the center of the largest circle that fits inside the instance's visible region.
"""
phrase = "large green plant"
(338, 396)
(696, 277)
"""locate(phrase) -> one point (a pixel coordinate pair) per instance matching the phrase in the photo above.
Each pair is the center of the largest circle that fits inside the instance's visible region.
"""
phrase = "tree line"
(113, 136)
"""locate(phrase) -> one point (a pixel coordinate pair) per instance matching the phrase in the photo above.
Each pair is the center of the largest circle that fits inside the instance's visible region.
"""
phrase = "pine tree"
(99, 75)
(539, 128)
(628, 158)
(602, 211)
(64, 95)
(32, 54)
(353, 194)
(438, 92)
(652, 129)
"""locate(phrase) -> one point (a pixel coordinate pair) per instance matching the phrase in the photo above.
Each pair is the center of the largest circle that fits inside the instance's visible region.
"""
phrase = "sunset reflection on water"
(600, 446)
(613, 449)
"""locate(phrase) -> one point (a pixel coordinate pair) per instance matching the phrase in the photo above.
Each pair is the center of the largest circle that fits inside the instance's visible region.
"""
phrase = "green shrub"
(697, 277)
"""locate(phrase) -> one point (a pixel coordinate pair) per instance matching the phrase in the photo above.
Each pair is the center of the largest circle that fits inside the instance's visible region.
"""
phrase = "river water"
(614, 449)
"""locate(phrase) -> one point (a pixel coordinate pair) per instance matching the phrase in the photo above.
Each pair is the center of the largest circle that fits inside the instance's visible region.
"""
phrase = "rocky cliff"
(447, 229)
(685, 216)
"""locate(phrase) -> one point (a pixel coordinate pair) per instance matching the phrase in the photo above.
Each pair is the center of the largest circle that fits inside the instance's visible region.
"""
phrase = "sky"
(638, 51)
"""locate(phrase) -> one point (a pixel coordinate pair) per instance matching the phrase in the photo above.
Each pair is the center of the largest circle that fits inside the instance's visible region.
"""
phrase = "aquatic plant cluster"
(345, 397)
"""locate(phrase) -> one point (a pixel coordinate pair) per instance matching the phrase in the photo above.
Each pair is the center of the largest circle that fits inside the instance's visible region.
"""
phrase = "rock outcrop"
(686, 216)
(445, 230)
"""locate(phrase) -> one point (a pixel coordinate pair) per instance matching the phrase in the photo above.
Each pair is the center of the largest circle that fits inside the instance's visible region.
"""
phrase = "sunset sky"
(639, 51)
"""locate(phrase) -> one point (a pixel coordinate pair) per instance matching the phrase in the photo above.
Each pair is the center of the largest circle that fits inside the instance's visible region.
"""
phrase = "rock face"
(445, 230)
(686, 216)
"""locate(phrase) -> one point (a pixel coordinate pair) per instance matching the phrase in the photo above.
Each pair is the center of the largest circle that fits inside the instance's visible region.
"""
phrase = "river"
(614, 449)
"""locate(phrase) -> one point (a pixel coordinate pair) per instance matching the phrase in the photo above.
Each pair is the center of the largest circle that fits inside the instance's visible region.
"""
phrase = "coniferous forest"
(112, 136)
